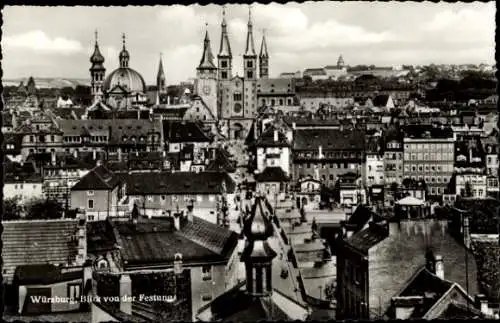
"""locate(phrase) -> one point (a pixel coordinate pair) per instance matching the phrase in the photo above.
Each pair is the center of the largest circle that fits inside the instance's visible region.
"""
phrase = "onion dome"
(96, 58)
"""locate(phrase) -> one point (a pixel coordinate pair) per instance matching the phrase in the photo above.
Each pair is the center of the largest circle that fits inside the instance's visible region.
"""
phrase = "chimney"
(275, 135)
(53, 158)
(189, 213)
(470, 155)
(320, 151)
(75, 153)
(82, 240)
(482, 303)
(177, 221)
(94, 154)
(119, 154)
(439, 266)
(466, 231)
(294, 125)
(178, 263)
(126, 294)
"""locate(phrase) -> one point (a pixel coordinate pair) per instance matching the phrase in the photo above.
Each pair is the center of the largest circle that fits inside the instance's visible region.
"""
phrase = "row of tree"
(34, 209)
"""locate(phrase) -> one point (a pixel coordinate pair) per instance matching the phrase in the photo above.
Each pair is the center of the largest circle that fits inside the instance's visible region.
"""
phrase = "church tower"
(250, 72)
(257, 254)
(263, 59)
(225, 57)
(161, 82)
(97, 72)
(206, 80)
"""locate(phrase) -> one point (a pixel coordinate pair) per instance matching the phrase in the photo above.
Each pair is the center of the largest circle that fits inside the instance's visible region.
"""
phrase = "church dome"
(127, 78)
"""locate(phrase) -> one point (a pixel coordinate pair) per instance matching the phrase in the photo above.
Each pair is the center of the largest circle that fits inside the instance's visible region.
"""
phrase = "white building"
(23, 188)
(273, 150)
(374, 169)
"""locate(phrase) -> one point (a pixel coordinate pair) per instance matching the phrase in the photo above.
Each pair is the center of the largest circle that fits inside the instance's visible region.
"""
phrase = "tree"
(43, 209)
(12, 209)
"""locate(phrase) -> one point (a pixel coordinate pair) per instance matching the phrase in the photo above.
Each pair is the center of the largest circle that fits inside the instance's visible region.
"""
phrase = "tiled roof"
(179, 183)
(329, 139)
(99, 178)
(360, 217)
(315, 71)
(272, 174)
(37, 242)
(156, 241)
(460, 311)
(367, 238)
(182, 131)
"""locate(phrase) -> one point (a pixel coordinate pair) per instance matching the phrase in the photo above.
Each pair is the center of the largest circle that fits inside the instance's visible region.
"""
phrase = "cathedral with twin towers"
(232, 98)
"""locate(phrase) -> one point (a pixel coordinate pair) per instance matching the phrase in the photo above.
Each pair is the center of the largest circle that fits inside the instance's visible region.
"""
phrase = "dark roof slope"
(380, 100)
(43, 274)
(329, 139)
(178, 183)
(182, 131)
(272, 174)
(266, 139)
(99, 178)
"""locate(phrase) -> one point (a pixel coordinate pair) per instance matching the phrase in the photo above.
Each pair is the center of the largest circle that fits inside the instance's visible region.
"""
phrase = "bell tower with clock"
(206, 78)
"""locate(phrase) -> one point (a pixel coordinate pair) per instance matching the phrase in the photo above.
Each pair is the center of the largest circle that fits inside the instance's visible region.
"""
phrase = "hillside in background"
(48, 82)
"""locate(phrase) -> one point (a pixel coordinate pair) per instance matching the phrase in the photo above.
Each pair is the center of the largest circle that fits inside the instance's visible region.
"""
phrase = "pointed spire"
(250, 48)
(161, 72)
(124, 55)
(225, 47)
(263, 46)
(207, 57)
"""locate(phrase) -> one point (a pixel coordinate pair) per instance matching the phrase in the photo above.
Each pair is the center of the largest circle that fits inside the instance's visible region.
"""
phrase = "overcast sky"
(57, 41)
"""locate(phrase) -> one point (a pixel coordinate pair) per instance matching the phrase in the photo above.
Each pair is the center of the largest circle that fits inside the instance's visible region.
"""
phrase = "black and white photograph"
(250, 162)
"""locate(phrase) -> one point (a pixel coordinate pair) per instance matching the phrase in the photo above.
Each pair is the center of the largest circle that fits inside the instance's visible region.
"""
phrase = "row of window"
(430, 147)
(329, 155)
(43, 138)
(427, 156)
(332, 165)
(23, 186)
(447, 168)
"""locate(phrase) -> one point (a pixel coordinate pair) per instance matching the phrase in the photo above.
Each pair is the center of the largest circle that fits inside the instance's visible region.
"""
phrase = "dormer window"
(124, 138)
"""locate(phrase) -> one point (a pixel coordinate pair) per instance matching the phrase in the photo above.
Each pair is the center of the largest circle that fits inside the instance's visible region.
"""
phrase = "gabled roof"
(37, 242)
(266, 139)
(175, 131)
(178, 183)
(381, 100)
(272, 174)
(99, 178)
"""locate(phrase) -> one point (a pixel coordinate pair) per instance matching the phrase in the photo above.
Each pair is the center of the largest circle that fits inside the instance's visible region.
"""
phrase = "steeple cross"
(95, 33)
(123, 39)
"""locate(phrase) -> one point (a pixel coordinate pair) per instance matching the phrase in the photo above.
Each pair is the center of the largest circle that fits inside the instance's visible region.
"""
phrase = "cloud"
(38, 40)
(180, 62)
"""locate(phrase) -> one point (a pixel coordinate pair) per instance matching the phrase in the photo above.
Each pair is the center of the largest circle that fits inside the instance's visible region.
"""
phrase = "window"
(90, 217)
(249, 74)
(237, 97)
(249, 64)
(206, 298)
(206, 273)
(90, 193)
(74, 291)
(90, 204)
(223, 64)
(199, 198)
(31, 139)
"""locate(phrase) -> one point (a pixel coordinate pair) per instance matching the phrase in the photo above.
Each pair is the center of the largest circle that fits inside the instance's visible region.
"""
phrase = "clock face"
(206, 90)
